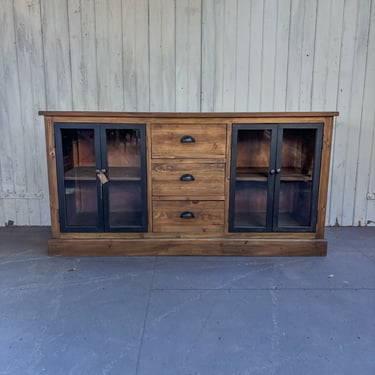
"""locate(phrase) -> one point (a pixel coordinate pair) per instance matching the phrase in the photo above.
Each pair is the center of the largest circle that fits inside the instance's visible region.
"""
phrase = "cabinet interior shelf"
(262, 173)
(114, 174)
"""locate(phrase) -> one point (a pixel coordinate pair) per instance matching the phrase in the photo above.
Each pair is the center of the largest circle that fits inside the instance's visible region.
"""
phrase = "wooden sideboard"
(188, 183)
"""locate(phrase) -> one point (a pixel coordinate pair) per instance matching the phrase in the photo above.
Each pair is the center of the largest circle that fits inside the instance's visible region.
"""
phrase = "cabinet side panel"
(149, 174)
(227, 176)
(52, 177)
(324, 175)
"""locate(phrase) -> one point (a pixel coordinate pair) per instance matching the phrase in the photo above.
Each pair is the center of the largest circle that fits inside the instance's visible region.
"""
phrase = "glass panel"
(296, 176)
(252, 168)
(78, 147)
(124, 174)
(250, 206)
(125, 205)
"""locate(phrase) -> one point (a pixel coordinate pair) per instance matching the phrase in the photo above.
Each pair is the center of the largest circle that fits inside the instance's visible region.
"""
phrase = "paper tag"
(102, 177)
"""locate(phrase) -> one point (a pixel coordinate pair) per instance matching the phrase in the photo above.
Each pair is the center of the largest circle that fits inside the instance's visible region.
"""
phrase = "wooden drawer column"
(188, 178)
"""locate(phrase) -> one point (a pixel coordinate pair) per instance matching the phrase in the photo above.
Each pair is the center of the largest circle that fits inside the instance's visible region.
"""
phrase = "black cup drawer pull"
(187, 139)
(187, 215)
(187, 177)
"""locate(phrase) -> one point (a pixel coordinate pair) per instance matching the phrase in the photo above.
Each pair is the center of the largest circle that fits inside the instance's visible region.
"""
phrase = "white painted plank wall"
(186, 55)
(135, 55)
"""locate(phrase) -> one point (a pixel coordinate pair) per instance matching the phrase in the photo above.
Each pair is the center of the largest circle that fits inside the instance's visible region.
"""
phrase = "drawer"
(188, 141)
(170, 178)
(188, 216)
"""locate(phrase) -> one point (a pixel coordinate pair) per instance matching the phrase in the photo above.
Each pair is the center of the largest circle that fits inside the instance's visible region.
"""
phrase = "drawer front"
(188, 216)
(188, 141)
(192, 179)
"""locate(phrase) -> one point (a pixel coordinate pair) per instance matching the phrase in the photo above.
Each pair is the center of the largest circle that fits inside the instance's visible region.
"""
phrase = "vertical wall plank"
(162, 55)
(307, 55)
(14, 179)
(108, 34)
(242, 55)
(188, 55)
(326, 69)
(219, 19)
(335, 21)
(9, 102)
(327, 55)
(295, 54)
(339, 161)
(31, 81)
(83, 54)
(365, 170)
(129, 68)
(58, 78)
(142, 55)
(269, 55)
(208, 62)
(256, 52)
(282, 47)
(212, 40)
(229, 56)
(355, 112)
(321, 56)
(5, 165)
(370, 206)
(135, 50)
(368, 126)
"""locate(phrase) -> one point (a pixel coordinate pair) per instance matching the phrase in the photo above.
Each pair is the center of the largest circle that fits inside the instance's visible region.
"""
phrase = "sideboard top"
(187, 114)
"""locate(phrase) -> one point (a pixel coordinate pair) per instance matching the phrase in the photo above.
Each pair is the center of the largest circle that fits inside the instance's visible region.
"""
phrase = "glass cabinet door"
(274, 177)
(251, 183)
(297, 183)
(123, 155)
(101, 173)
(77, 161)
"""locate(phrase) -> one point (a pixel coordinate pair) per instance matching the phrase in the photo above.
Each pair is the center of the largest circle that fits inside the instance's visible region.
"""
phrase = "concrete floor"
(187, 315)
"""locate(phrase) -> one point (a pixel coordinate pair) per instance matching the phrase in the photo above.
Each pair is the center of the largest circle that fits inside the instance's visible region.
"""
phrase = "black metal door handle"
(187, 139)
(187, 177)
(187, 215)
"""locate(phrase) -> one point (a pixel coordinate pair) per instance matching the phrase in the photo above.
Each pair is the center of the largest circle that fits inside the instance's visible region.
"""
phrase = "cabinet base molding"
(204, 247)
